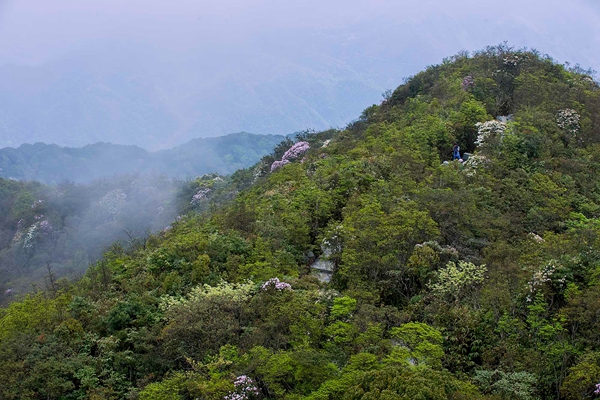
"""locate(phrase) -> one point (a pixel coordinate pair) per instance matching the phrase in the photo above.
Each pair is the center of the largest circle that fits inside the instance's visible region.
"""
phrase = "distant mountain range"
(49, 163)
(157, 96)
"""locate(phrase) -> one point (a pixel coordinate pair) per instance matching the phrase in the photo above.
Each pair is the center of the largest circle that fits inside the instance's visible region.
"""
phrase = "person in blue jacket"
(456, 152)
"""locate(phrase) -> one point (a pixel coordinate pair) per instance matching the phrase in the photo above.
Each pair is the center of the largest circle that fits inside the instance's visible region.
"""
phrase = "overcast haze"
(156, 73)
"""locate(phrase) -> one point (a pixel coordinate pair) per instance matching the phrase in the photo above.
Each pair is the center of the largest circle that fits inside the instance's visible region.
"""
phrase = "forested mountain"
(459, 280)
(53, 164)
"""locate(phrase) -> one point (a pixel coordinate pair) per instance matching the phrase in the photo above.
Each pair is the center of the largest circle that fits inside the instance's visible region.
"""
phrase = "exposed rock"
(322, 268)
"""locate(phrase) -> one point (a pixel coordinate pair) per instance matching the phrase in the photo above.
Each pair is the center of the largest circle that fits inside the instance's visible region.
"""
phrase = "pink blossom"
(296, 151)
(276, 284)
(291, 154)
(244, 389)
(278, 164)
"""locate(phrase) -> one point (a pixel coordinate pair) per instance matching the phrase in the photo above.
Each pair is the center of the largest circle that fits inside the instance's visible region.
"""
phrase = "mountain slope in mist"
(49, 232)
(53, 164)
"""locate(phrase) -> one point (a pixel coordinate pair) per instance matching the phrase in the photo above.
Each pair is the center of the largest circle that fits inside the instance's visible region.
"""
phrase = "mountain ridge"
(50, 163)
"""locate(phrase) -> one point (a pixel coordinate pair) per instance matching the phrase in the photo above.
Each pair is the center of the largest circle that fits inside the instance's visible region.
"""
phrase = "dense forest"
(52, 164)
(450, 280)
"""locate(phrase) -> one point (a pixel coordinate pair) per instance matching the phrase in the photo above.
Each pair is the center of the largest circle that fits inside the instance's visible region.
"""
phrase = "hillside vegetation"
(475, 280)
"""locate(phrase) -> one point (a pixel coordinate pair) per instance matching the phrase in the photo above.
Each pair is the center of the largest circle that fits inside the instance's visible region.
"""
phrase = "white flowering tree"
(475, 163)
(569, 121)
(490, 134)
(456, 280)
(490, 137)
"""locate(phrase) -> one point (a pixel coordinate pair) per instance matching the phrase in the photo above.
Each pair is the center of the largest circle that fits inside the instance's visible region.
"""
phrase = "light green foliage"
(379, 241)
(167, 389)
(471, 112)
(456, 281)
(235, 292)
(342, 307)
(418, 343)
(32, 314)
(398, 384)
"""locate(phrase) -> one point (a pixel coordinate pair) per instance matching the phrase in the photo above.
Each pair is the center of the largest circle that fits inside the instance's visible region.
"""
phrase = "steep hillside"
(474, 280)
(54, 164)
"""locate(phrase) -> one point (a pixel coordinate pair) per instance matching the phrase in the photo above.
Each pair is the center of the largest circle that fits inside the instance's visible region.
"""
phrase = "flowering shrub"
(468, 83)
(508, 385)
(30, 236)
(548, 274)
(244, 389)
(291, 154)
(489, 130)
(597, 391)
(447, 251)
(37, 203)
(33, 233)
(276, 284)
(278, 164)
(456, 279)
(569, 121)
(200, 195)
(332, 244)
(296, 151)
(475, 162)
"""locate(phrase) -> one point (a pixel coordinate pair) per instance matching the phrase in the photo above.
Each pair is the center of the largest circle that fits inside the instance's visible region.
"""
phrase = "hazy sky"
(33, 31)
(172, 70)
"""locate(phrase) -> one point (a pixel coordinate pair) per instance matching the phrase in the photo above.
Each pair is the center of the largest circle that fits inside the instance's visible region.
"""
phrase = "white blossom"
(488, 130)
(201, 194)
(475, 162)
(569, 121)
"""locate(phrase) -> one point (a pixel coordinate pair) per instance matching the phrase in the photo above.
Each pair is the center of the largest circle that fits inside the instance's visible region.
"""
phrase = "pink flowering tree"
(278, 164)
(245, 389)
(276, 284)
(294, 152)
(201, 194)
